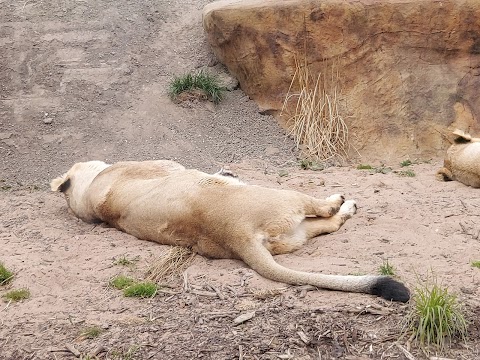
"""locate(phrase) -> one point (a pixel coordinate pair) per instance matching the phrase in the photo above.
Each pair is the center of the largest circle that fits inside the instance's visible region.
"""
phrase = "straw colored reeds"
(315, 123)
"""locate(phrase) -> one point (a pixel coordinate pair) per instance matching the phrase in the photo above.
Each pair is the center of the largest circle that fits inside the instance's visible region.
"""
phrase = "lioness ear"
(61, 183)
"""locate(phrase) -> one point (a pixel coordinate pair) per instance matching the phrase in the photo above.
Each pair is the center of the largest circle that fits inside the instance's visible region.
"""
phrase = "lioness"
(462, 162)
(217, 216)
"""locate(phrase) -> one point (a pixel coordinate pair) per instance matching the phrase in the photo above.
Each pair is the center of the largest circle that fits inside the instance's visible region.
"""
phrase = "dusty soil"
(85, 80)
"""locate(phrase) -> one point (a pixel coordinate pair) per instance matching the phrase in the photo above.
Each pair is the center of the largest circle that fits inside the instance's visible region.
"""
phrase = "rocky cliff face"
(409, 70)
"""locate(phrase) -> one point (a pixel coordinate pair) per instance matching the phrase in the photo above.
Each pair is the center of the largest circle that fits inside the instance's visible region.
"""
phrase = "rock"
(47, 120)
(271, 150)
(404, 82)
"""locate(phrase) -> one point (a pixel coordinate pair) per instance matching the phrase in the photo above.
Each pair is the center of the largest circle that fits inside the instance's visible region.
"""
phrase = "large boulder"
(409, 70)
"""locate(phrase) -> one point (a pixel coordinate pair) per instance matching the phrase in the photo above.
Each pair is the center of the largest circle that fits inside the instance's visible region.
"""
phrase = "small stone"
(47, 120)
(271, 150)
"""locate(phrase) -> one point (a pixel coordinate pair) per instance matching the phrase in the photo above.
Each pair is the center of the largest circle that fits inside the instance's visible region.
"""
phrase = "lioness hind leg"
(316, 226)
(323, 208)
(309, 228)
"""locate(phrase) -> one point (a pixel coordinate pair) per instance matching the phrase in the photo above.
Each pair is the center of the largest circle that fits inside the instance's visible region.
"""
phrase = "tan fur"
(217, 216)
(462, 161)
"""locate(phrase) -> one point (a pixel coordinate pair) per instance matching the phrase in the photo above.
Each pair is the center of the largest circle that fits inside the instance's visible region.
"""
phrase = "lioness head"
(74, 184)
(462, 161)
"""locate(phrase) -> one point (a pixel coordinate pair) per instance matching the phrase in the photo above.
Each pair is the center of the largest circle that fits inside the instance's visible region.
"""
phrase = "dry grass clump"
(169, 267)
(316, 124)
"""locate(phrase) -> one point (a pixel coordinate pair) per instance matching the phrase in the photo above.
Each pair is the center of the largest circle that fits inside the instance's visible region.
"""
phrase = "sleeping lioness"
(217, 216)
(462, 162)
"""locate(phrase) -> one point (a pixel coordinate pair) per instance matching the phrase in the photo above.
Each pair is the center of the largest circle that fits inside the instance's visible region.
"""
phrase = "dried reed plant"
(316, 124)
(170, 265)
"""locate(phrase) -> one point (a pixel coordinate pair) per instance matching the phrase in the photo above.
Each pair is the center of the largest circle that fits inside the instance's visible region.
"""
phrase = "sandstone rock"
(409, 70)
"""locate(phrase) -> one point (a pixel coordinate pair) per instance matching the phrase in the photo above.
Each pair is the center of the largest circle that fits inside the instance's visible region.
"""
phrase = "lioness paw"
(348, 208)
(336, 198)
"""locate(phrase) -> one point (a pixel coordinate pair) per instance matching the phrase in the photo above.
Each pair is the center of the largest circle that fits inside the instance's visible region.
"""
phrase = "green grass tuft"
(5, 275)
(476, 264)
(197, 81)
(406, 163)
(407, 173)
(17, 295)
(436, 317)
(91, 332)
(121, 282)
(375, 170)
(142, 289)
(124, 355)
(306, 164)
(386, 269)
(124, 261)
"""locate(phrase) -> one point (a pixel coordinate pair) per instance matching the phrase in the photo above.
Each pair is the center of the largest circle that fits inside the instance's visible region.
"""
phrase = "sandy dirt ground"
(82, 80)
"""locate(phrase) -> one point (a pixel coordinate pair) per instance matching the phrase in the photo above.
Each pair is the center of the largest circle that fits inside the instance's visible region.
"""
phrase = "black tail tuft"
(390, 289)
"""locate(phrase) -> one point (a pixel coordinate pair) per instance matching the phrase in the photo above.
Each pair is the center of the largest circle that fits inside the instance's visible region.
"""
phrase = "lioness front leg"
(317, 226)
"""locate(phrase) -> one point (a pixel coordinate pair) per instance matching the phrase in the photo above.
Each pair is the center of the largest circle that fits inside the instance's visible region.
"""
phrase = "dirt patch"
(83, 81)
(417, 223)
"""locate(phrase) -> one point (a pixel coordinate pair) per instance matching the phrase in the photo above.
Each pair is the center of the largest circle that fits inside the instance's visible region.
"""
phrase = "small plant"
(374, 170)
(5, 275)
(91, 332)
(311, 165)
(88, 357)
(382, 170)
(124, 261)
(121, 282)
(476, 264)
(17, 295)
(124, 355)
(4, 186)
(436, 317)
(142, 289)
(283, 173)
(386, 269)
(407, 173)
(209, 84)
(406, 163)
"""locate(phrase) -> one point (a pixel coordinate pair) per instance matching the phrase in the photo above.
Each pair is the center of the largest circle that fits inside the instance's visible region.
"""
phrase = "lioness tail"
(260, 260)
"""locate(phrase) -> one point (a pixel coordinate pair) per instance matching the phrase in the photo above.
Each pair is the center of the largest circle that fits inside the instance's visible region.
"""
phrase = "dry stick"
(217, 291)
(407, 354)
(8, 304)
(185, 281)
(73, 350)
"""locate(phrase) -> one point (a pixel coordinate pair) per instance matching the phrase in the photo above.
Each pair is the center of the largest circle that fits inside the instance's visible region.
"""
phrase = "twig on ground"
(244, 317)
(204, 293)
(407, 354)
(73, 350)
(219, 294)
